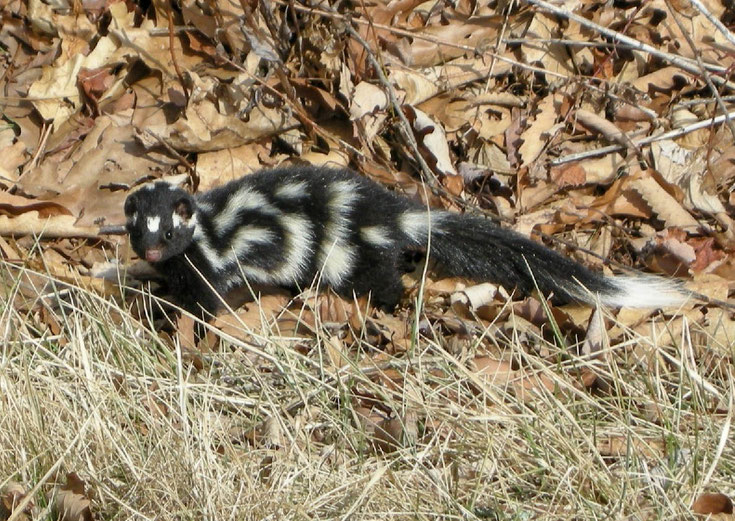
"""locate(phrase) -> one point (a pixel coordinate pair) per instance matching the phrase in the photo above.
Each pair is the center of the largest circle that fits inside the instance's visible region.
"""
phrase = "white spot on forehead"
(291, 190)
(153, 223)
(176, 220)
(376, 235)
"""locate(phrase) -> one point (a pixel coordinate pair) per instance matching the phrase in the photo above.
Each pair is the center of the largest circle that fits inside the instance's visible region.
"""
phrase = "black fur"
(463, 245)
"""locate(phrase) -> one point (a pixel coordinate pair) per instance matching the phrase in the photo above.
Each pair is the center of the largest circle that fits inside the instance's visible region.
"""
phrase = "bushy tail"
(477, 249)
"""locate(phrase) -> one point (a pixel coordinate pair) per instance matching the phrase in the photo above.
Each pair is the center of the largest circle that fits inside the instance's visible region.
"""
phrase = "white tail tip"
(644, 292)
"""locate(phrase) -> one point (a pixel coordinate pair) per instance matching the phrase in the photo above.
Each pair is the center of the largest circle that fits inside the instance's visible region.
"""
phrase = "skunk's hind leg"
(381, 279)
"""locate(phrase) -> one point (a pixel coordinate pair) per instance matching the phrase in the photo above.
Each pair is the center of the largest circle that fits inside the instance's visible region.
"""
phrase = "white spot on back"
(153, 223)
(416, 223)
(297, 251)
(336, 254)
(135, 217)
(376, 235)
(149, 186)
(293, 190)
(207, 206)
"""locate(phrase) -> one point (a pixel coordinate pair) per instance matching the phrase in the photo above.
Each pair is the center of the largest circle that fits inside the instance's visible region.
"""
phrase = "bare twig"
(418, 36)
(699, 101)
(645, 141)
(405, 124)
(170, 148)
(713, 20)
(173, 54)
(685, 64)
(113, 229)
(704, 73)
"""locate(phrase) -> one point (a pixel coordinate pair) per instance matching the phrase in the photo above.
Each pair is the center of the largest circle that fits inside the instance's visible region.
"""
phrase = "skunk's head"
(160, 221)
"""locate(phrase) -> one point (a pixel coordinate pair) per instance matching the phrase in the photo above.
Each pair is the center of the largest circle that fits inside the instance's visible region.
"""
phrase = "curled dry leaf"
(389, 435)
(72, 501)
(474, 296)
(11, 496)
(501, 374)
(619, 446)
(204, 128)
(664, 205)
(595, 338)
(541, 130)
(367, 99)
(569, 175)
(432, 139)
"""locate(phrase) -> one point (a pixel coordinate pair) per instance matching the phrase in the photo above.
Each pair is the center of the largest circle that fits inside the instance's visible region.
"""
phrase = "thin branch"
(713, 20)
(113, 229)
(418, 36)
(645, 141)
(701, 101)
(397, 107)
(685, 64)
(173, 54)
(704, 73)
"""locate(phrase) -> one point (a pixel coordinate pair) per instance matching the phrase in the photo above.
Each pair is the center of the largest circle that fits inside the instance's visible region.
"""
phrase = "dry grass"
(155, 438)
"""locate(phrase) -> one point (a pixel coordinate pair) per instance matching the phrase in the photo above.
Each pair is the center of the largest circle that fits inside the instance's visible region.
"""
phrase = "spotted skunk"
(292, 226)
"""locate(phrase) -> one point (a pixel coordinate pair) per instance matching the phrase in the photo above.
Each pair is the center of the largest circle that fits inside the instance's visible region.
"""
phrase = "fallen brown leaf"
(72, 500)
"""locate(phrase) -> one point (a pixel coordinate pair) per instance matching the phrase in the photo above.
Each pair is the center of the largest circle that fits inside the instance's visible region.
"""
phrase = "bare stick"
(713, 20)
(704, 73)
(685, 64)
(173, 54)
(645, 141)
(113, 229)
(405, 125)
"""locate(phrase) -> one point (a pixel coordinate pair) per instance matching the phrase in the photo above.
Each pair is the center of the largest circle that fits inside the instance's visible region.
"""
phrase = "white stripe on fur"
(245, 198)
(376, 235)
(415, 223)
(293, 190)
(635, 291)
(336, 255)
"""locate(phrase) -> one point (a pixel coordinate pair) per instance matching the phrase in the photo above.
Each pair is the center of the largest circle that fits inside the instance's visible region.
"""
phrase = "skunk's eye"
(169, 235)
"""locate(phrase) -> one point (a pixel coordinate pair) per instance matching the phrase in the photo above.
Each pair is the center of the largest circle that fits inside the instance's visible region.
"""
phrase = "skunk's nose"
(153, 255)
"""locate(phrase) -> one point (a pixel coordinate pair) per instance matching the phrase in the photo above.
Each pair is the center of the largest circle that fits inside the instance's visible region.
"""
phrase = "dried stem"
(704, 73)
(645, 141)
(405, 124)
(684, 64)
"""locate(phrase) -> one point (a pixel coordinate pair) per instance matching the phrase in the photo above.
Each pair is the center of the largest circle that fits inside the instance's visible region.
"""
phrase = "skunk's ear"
(184, 207)
(130, 205)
